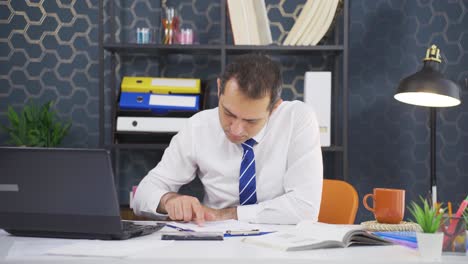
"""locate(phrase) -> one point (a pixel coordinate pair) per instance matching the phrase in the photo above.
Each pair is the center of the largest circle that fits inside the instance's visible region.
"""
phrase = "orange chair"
(339, 202)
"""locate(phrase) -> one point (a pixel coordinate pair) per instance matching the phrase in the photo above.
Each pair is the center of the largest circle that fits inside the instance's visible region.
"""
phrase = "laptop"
(66, 193)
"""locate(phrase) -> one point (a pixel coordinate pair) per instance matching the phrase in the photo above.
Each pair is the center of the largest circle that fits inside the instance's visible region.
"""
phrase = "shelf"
(161, 49)
(335, 56)
(332, 149)
(275, 49)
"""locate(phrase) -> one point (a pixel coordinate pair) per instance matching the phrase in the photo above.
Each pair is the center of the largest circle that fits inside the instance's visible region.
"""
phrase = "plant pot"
(430, 245)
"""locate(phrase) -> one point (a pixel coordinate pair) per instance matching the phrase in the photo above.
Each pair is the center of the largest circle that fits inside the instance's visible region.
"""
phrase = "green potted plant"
(35, 126)
(429, 219)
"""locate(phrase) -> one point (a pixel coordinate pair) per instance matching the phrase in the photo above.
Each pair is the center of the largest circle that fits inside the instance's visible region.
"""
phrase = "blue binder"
(159, 103)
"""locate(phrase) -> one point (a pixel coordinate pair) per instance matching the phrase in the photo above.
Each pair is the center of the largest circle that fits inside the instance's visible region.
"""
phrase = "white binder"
(150, 124)
(317, 93)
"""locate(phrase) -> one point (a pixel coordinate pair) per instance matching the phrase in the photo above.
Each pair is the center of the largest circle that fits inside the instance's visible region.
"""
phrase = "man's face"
(241, 117)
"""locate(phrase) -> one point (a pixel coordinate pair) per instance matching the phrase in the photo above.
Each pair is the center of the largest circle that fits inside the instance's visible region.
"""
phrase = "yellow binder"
(160, 85)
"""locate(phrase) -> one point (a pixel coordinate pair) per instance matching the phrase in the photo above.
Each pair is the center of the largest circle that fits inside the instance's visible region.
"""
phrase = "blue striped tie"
(247, 189)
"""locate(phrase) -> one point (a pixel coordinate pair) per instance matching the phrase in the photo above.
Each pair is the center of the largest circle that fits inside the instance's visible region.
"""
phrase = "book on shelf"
(312, 235)
(317, 93)
(160, 85)
(326, 22)
(159, 103)
(249, 22)
(262, 22)
(313, 23)
(237, 16)
(308, 10)
(150, 124)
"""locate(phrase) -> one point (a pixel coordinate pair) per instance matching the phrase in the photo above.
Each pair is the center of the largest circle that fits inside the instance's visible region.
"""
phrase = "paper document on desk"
(31, 247)
(219, 226)
(99, 248)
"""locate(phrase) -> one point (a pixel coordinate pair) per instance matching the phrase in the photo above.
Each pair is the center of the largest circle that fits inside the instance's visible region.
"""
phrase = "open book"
(310, 235)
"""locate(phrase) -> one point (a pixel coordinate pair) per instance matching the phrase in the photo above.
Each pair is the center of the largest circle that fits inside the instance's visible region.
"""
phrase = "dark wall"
(49, 51)
(389, 140)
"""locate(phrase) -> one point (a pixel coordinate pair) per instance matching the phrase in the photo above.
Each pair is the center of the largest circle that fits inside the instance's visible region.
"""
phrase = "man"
(259, 158)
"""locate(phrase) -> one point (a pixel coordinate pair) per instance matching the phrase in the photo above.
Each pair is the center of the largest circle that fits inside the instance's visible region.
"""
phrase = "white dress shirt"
(288, 161)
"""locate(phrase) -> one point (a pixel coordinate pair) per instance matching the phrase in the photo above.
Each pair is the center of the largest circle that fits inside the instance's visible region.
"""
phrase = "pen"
(452, 226)
(179, 228)
(462, 207)
(243, 232)
(437, 207)
(449, 205)
(254, 232)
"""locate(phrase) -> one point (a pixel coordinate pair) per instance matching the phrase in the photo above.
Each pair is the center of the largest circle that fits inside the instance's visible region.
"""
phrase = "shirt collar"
(258, 138)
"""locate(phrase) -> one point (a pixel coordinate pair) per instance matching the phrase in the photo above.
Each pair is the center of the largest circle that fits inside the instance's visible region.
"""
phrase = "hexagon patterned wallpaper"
(389, 140)
(49, 51)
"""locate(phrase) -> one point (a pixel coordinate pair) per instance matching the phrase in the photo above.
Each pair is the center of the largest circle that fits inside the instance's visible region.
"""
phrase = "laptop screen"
(63, 190)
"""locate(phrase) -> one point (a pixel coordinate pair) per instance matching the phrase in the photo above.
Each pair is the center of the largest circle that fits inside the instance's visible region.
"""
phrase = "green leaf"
(35, 126)
(16, 140)
(13, 116)
(426, 216)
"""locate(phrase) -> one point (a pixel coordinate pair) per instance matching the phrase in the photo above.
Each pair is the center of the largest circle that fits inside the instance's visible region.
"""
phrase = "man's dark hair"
(257, 76)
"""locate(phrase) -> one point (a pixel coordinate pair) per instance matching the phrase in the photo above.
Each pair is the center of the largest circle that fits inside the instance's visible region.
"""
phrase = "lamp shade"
(428, 87)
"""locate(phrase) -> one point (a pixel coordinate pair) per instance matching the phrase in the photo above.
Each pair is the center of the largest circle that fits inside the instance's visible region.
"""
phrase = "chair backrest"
(339, 202)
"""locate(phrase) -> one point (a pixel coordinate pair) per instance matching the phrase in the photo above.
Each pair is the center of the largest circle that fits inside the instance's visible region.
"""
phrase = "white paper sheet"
(99, 248)
(220, 226)
(21, 248)
(5, 245)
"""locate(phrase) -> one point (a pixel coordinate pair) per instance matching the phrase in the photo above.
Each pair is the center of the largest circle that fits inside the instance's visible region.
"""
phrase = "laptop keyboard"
(130, 226)
(131, 229)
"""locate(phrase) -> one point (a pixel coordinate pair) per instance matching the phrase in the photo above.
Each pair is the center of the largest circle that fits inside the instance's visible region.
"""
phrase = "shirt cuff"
(248, 213)
(146, 206)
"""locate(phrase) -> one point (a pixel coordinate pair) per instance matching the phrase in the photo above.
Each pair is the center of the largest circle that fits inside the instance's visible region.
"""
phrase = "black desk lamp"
(429, 88)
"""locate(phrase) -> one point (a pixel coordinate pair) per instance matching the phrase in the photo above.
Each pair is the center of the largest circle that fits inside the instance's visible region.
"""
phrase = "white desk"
(231, 250)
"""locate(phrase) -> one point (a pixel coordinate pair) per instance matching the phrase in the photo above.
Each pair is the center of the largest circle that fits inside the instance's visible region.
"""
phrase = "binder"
(150, 124)
(159, 103)
(160, 85)
(317, 93)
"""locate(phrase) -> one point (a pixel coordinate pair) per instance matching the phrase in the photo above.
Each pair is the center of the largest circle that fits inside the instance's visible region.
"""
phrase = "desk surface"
(231, 250)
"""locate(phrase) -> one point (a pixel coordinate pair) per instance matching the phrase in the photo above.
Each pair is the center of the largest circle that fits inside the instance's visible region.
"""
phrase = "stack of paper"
(313, 22)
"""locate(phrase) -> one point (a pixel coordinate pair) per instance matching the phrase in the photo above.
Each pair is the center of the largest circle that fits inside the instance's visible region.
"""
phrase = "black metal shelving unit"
(339, 51)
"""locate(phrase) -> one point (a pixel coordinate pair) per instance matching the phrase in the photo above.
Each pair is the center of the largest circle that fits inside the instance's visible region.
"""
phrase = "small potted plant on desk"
(35, 126)
(429, 219)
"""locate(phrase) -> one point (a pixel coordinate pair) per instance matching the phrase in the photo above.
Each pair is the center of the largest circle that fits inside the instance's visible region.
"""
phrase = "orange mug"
(389, 205)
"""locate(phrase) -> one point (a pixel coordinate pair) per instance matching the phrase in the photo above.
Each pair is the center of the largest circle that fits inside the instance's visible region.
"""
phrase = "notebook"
(67, 193)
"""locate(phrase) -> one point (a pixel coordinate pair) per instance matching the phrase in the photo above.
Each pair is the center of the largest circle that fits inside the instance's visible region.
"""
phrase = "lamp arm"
(432, 127)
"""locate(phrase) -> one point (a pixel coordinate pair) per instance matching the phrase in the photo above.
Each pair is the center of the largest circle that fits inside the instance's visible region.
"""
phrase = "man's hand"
(188, 208)
(184, 208)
